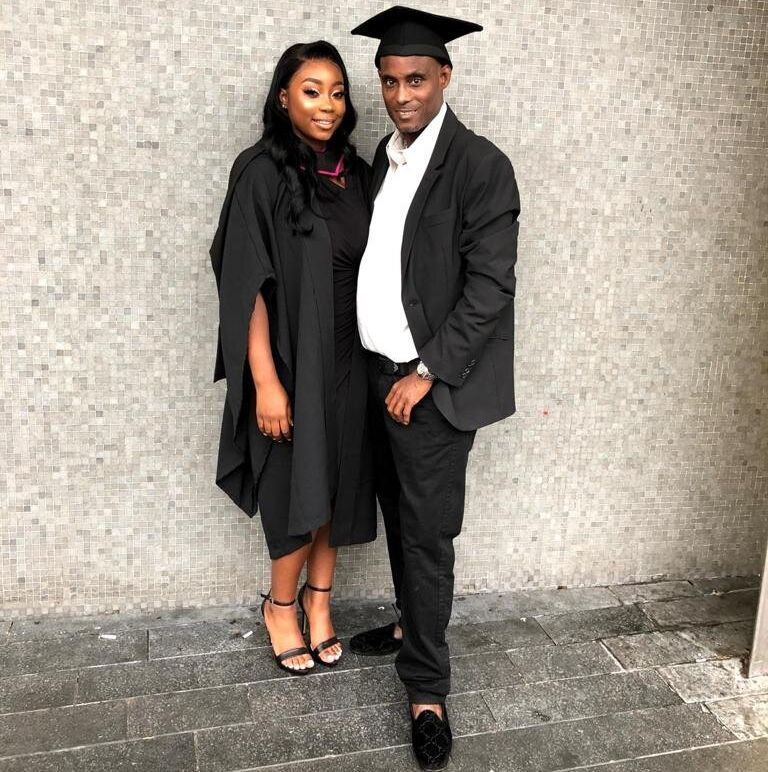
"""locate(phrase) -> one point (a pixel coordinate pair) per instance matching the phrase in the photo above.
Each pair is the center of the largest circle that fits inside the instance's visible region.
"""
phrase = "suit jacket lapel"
(444, 138)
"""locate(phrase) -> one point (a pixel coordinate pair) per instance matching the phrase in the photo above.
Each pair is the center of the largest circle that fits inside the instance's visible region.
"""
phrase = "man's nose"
(403, 95)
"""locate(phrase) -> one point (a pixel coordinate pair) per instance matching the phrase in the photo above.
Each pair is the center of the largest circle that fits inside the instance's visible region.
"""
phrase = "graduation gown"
(256, 249)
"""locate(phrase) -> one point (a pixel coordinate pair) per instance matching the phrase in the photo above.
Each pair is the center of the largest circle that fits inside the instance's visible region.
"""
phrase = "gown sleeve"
(243, 267)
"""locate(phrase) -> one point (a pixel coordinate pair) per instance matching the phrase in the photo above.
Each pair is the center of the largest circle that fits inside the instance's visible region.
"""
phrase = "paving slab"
(53, 728)
(714, 680)
(643, 593)
(328, 691)
(746, 717)
(574, 698)
(494, 607)
(483, 671)
(69, 653)
(251, 665)
(496, 636)
(595, 623)
(654, 649)
(732, 639)
(706, 610)
(550, 663)
(156, 714)
(741, 756)
(549, 747)
(274, 740)
(350, 617)
(172, 753)
(726, 583)
(47, 627)
(206, 638)
(39, 690)
(136, 678)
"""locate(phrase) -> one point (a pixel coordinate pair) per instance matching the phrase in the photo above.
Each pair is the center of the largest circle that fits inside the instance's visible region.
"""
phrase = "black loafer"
(432, 740)
(376, 642)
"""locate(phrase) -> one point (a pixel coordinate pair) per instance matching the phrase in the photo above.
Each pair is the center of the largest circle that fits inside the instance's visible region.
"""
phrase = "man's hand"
(405, 395)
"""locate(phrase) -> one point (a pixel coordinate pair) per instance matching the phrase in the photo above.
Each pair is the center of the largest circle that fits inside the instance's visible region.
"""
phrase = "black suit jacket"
(458, 260)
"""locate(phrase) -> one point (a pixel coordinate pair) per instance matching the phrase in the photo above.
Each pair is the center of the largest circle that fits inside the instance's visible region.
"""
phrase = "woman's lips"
(324, 123)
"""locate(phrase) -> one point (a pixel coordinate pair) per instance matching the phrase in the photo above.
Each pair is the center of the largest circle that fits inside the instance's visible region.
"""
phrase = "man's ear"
(445, 75)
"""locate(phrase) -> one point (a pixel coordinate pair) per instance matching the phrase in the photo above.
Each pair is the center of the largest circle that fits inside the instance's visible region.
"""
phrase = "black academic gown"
(256, 249)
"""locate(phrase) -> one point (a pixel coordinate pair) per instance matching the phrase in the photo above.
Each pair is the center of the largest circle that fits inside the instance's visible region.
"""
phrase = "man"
(435, 309)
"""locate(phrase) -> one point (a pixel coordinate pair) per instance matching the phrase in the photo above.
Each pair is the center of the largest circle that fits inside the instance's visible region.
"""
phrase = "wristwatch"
(423, 372)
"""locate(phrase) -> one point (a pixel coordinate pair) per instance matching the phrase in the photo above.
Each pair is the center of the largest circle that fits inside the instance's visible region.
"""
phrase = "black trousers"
(420, 471)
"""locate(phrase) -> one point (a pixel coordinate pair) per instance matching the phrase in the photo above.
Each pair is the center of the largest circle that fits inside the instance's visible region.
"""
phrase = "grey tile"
(40, 690)
(112, 681)
(642, 593)
(469, 714)
(559, 746)
(732, 639)
(206, 638)
(541, 703)
(47, 628)
(482, 671)
(595, 623)
(549, 663)
(172, 753)
(653, 649)
(496, 636)
(274, 740)
(326, 691)
(350, 617)
(709, 609)
(256, 665)
(567, 744)
(494, 607)
(40, 656)
(723, 584)
(181, 711)
(746, 717)
(53, 728)
(741, 756)
(712, 680)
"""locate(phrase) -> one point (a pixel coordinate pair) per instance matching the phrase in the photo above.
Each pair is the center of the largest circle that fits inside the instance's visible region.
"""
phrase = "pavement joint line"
(655, 626)
(612, 655)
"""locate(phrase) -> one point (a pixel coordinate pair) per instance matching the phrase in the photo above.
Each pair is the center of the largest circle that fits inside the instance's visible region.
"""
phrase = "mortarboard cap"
(408, 32)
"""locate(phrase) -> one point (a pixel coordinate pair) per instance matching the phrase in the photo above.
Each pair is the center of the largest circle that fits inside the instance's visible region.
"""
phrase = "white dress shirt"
(380, 314)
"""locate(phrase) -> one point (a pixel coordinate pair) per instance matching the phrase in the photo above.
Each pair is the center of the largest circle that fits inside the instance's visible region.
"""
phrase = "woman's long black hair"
(294, 158)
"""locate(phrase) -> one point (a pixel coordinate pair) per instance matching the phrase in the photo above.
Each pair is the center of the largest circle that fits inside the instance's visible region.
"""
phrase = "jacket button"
(413, 303)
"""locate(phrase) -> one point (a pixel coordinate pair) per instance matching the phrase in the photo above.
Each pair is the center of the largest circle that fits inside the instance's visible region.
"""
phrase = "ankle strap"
(268, 597)
(317, 589)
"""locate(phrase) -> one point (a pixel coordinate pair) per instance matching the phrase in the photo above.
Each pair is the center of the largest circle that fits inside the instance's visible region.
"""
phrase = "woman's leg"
(321, 565)
(281, 621)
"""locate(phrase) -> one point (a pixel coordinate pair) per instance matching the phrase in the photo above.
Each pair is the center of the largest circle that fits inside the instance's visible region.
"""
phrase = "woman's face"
(315, 101)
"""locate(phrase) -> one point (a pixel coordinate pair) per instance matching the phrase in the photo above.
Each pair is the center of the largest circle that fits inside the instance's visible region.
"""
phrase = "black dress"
(308, 280)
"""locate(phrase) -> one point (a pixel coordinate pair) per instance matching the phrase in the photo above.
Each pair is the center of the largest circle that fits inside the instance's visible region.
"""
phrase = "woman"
(286, 253)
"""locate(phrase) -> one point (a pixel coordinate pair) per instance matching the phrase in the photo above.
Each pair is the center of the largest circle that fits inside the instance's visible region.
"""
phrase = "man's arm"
(488, 247)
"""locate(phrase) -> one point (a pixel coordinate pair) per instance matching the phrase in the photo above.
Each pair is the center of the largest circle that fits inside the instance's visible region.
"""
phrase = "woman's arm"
(273, 408)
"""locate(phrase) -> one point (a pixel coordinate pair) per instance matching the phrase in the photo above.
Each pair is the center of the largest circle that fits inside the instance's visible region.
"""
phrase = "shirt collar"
(422, 146)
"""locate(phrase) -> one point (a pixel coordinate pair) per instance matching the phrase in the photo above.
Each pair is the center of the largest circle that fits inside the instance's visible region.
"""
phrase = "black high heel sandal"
(305, 628)
(284, 655)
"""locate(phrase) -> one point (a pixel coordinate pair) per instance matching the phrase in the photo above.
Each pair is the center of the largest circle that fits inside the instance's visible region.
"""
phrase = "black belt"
(395, 368)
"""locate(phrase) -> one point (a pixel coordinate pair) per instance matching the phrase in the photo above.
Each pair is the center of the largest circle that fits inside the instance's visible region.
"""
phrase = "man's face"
(412, 87)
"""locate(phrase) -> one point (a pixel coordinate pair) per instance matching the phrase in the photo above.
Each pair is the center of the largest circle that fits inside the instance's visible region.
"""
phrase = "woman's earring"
(284, 106)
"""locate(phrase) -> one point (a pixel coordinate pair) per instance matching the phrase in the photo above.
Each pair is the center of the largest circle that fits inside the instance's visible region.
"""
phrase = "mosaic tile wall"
(639, 136)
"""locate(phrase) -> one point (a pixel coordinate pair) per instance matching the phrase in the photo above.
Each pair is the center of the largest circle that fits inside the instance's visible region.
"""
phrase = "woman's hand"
(273, 411)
